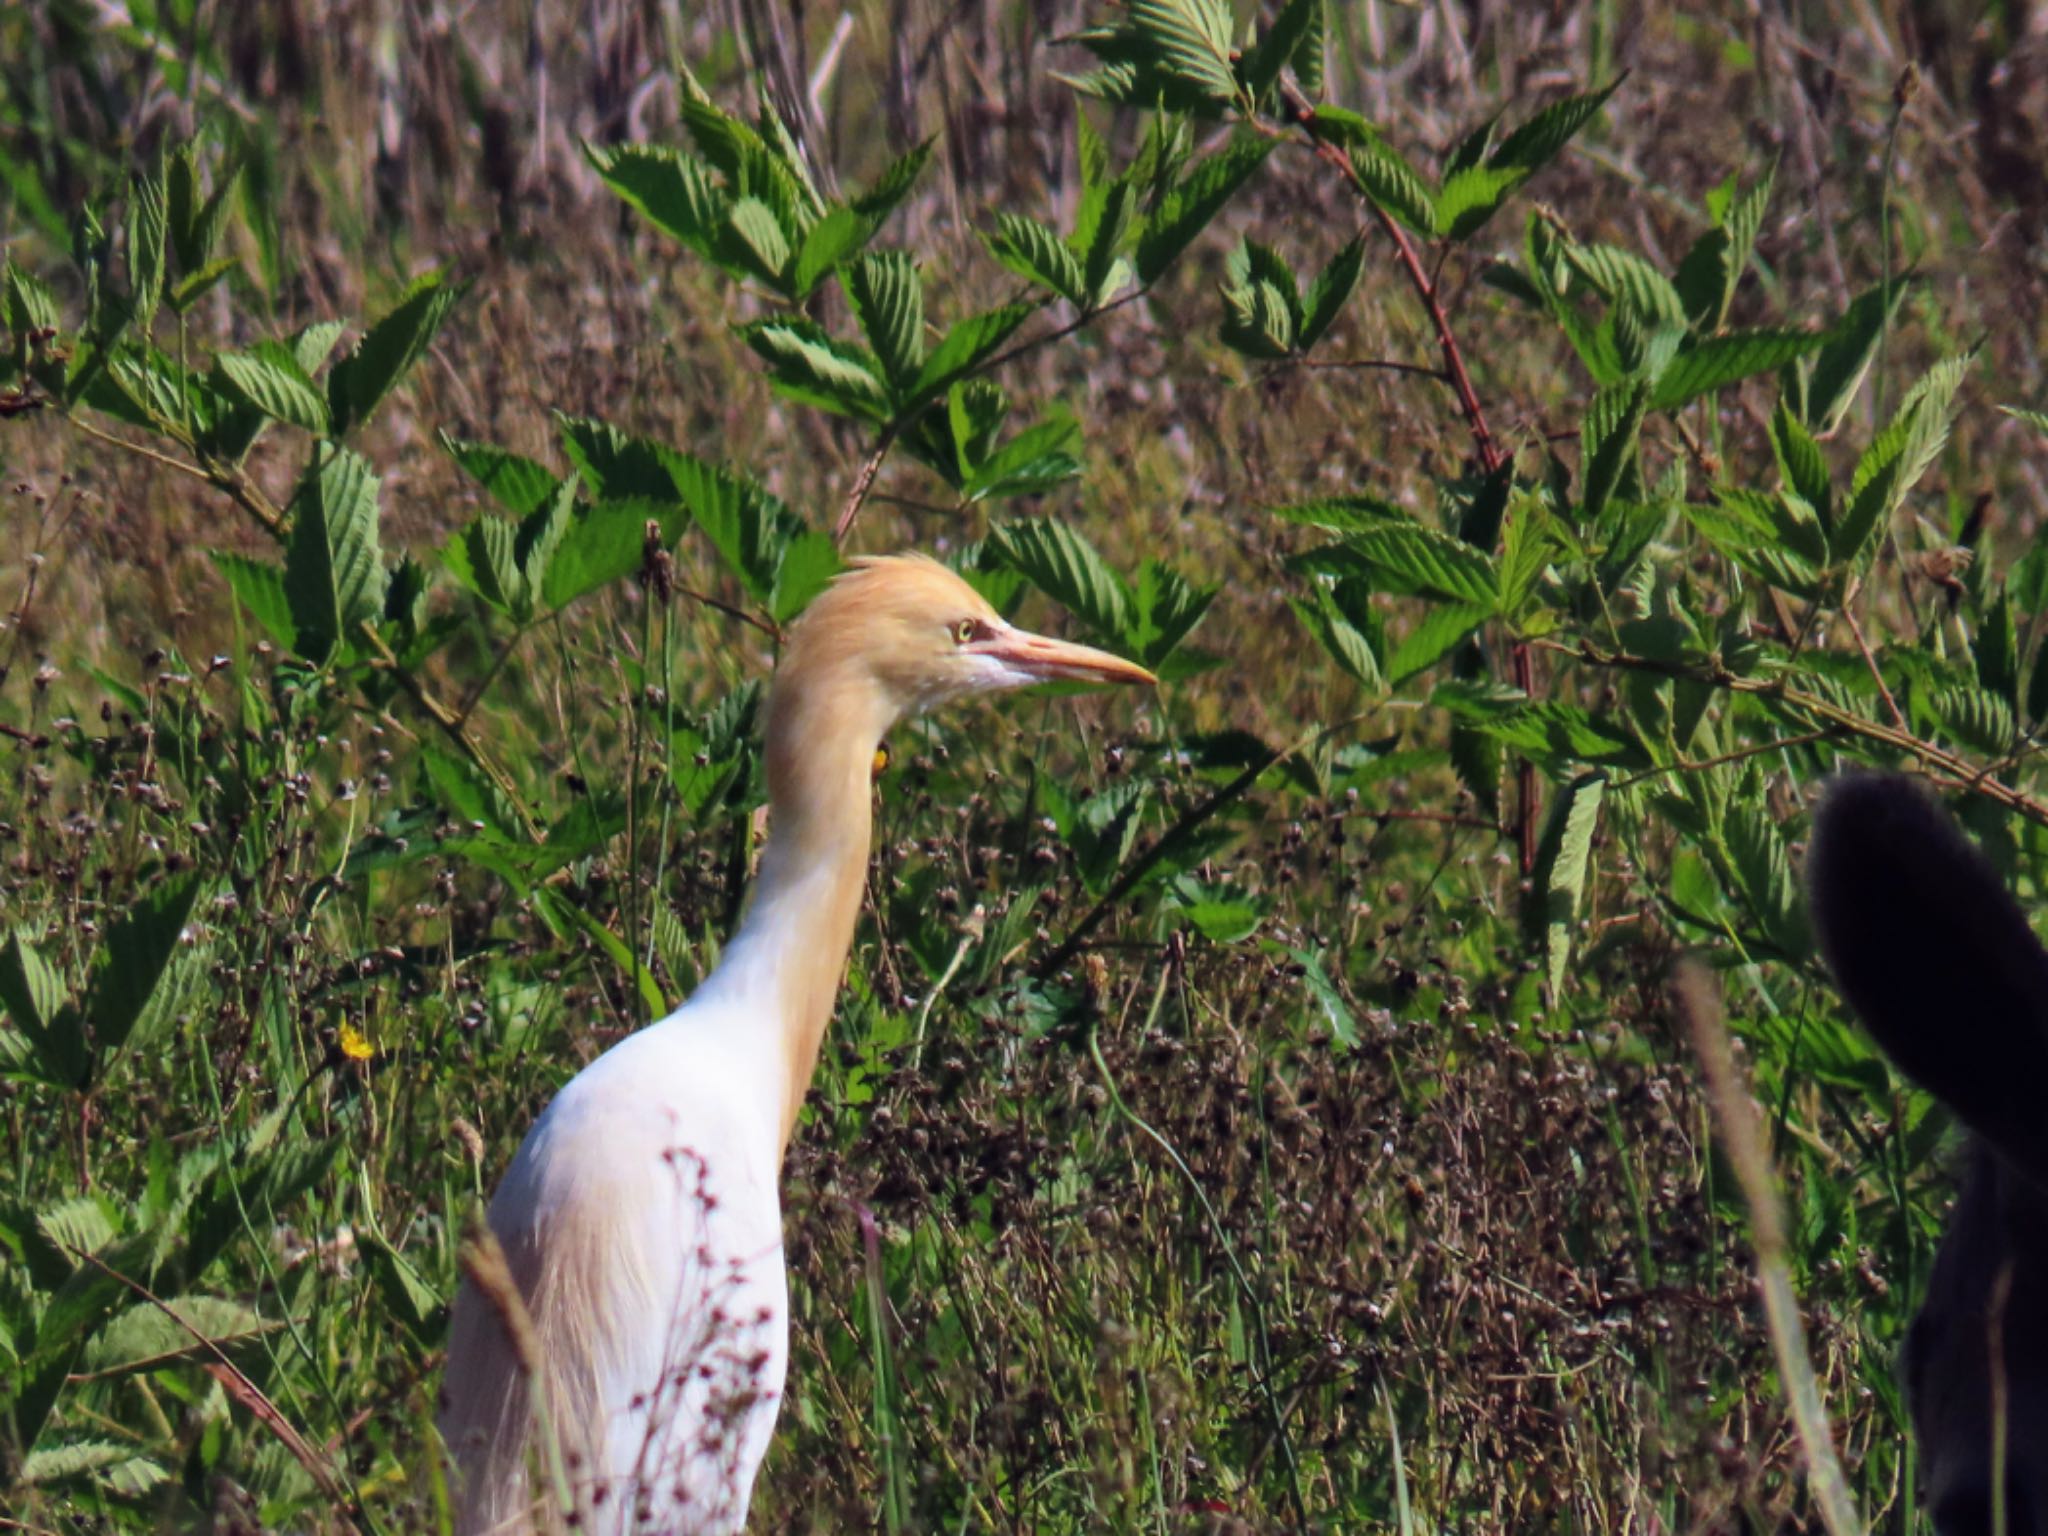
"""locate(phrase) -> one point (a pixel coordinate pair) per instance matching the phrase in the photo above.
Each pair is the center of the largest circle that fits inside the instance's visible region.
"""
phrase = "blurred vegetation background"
(1225, 1126)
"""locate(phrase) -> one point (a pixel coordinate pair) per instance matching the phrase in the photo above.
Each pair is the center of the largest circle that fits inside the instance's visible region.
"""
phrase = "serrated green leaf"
(1198, 197)
(1433, 636)
(150, 1335)
(888, 301)
(1105, 271)
(672, 189)
(1996, 650)
(273, 383)
(30, 304)
(540, 534)
(832, 241)
(333, 569)
(756, 242)
(1423, 560)
(311, 347)
(39, 1006)
(1296, 33)
(260, 588)
(1032, 251)
(894, 184)
(1328, 291)
(1712, 268)
(515, 482)
(1714, 362)
(388, 349)
(750, 528)
(1625, 278)
(137, 951)
(1760, 866)
(1846, 353)
(1977, 718)
(1066, 567)
(808, 563)
(1896, 459)
(965, 347)
(806, 363)
(1392, 183)
(602, 544)
(1559, 880)
(1349, 646)
(1165, 607)
(148, 225)
(1607, 441)
(1532, 145)
(1470, 197)
(1189, 40)
(1801, 463)
(614, 464)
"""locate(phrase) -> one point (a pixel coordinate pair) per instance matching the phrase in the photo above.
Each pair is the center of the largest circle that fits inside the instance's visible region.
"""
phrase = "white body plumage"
(640, 1219)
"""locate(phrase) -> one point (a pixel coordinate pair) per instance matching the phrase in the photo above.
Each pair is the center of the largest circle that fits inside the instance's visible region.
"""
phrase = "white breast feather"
(641, 1209)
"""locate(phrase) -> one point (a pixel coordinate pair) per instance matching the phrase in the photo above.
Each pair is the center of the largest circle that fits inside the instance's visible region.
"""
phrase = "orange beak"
(1045, 659)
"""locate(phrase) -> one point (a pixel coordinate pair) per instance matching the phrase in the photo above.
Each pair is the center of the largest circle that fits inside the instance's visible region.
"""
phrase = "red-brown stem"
(1491, 455)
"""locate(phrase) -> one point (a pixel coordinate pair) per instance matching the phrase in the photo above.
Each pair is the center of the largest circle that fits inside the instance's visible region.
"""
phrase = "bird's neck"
(790, 950)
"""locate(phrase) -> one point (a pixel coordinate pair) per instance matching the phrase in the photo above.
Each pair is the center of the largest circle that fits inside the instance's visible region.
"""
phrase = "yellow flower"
(355, 1045)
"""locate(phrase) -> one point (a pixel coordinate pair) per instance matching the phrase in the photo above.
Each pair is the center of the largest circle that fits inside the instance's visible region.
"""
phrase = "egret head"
(902, 634)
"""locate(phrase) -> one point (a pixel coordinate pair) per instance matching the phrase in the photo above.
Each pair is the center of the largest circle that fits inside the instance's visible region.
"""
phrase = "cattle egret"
(641, 1220)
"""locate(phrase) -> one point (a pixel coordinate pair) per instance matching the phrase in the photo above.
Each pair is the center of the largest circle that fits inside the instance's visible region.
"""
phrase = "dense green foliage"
(1257, 1103)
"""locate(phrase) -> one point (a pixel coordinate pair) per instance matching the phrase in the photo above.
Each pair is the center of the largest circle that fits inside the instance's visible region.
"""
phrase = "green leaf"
(1347, 644)
(259, 586)
(516, 483)
(1625, 278)
(1199, 196)
(148, 223)
(831, 241)
(1896, 459)
(1801, 463)
(1708, 275)
(333, 569)
(805, 363)
(137, 951)
(151, 1335)
(1106, 270)
(1323, 993)
(602, 544)
(1607, 441)
(1296, 32)
(1847, 351)
(1421, 559)
(1559, 879)
(1326, 294)
(1977, 718)
(310, 348)
(1190, 40)
(540, 534)
(1165, 608)
(1378, 168)
(1032, 251)
(1532, 145)
(894, 184)
(755, 241)
(388, 349)
(673, 189)
(30, 304)
(194, 227)
(966, 347)
(809, 562)
(750, 528)
(482, 559)
(613, 464)
(1438, 632)
(1470, 197)
(406, 1293)
(888, 301)
(272, 382)
(1065, 566)
(39, 1005)
(1713, 362)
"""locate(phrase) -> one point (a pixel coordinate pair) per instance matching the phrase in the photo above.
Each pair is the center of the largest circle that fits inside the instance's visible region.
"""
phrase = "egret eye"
(966, 630)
